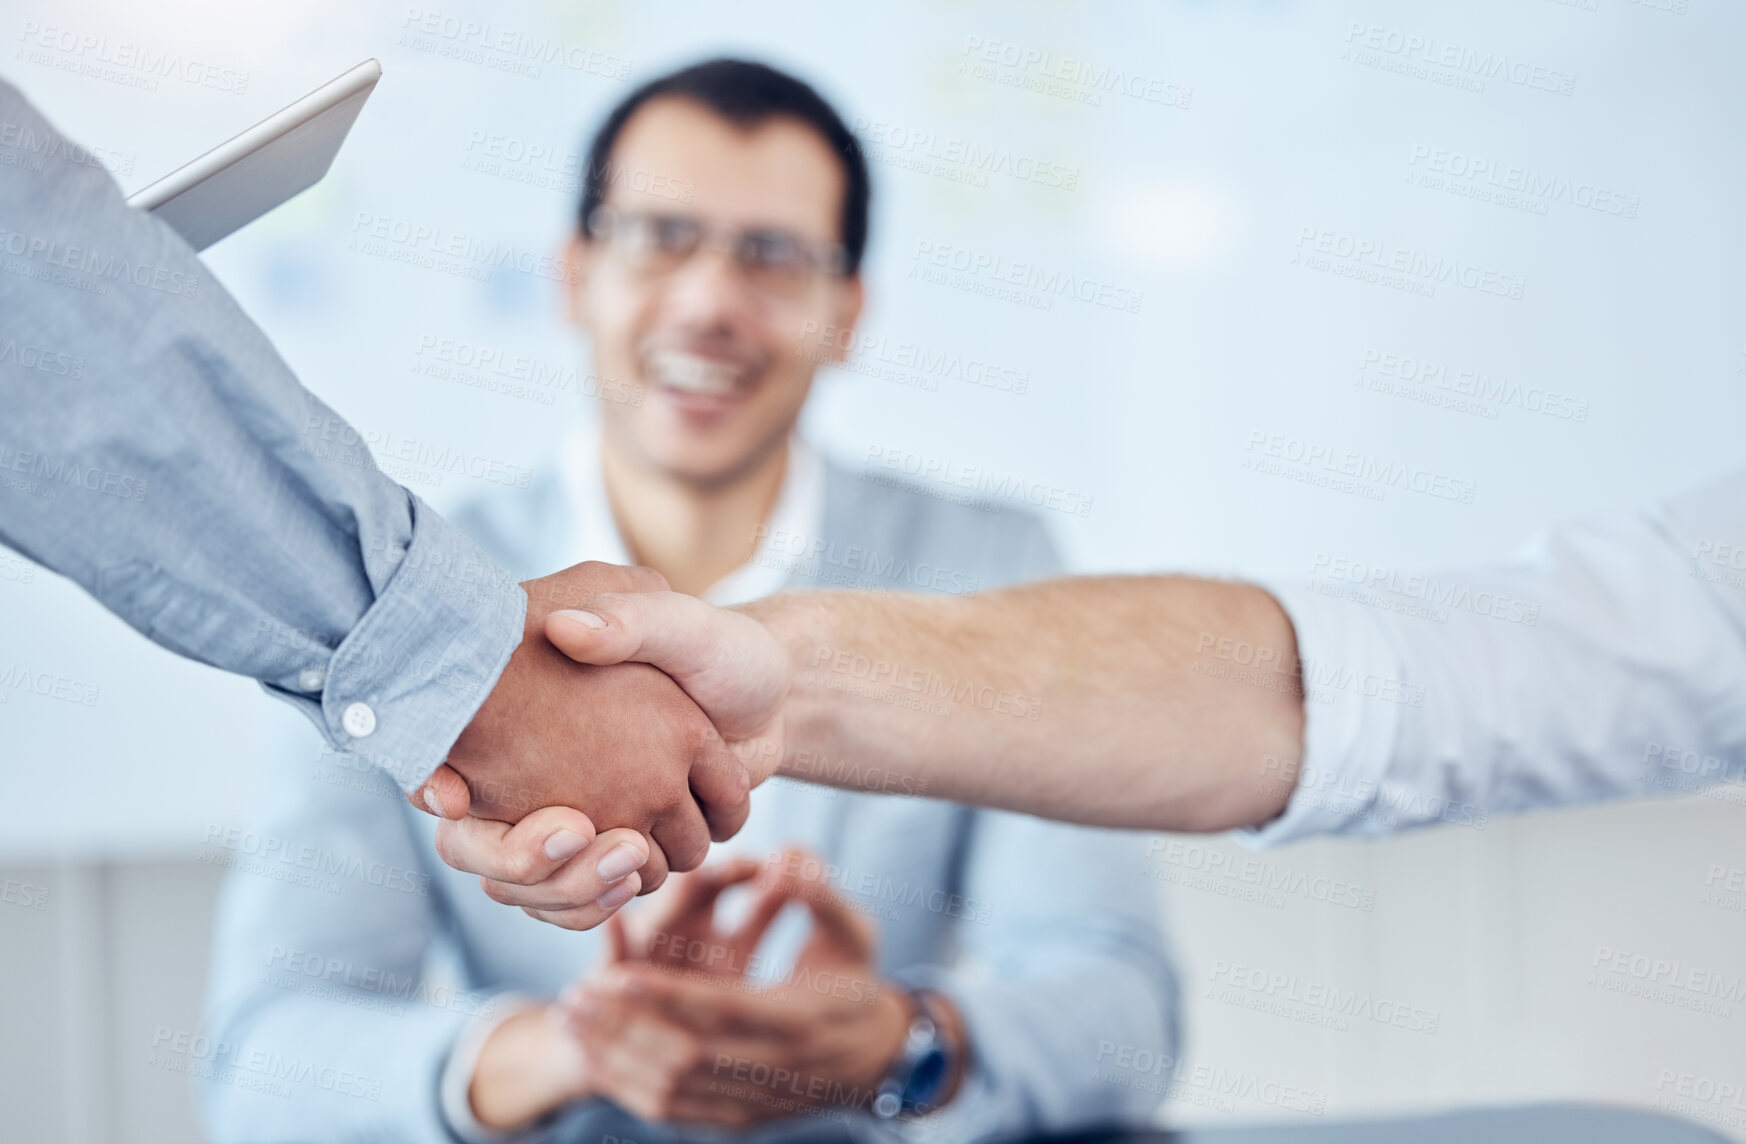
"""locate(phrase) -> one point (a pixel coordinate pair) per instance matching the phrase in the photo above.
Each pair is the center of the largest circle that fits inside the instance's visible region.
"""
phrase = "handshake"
(632, 722)
(587, 774)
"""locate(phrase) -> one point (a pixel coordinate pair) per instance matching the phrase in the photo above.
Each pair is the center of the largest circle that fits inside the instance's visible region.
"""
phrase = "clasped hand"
(674, 1028)
(585, 777)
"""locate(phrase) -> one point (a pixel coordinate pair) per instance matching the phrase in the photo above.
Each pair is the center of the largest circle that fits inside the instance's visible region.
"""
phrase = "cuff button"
(358, 720)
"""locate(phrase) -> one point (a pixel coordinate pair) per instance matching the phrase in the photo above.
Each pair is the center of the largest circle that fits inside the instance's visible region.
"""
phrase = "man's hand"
(731, 665)
(679, 1034)
(677, 930)
(561, 872)
(623, 745)
(728, 663)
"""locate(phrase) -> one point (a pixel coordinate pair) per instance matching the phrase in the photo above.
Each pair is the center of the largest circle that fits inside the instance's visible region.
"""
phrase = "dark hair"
(746, 94)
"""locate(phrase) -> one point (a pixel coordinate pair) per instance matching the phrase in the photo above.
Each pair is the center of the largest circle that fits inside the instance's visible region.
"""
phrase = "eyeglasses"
(777, 262)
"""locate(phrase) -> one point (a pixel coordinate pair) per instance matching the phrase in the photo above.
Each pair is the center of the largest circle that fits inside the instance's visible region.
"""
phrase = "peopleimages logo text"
(1412, 265)
(983, 482)
(1474, 63)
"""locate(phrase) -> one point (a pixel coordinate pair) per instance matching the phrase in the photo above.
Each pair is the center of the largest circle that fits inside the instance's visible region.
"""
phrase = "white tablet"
(239, 181)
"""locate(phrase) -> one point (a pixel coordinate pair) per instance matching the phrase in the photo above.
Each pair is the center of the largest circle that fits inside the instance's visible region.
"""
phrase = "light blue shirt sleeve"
(1607, 659)
(156, 450)
(324, 1019)
(1064, 970)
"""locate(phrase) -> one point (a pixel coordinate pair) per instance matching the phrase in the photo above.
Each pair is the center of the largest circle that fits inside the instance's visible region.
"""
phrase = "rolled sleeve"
(1606, 659)
(423, 657)
(1349, 735)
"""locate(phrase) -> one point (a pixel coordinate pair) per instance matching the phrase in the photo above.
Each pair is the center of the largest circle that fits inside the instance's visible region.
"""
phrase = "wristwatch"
(916, 1078)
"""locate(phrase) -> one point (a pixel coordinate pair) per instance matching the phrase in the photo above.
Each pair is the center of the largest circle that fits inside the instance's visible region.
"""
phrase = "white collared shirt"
(1607, 659)
(798, 514)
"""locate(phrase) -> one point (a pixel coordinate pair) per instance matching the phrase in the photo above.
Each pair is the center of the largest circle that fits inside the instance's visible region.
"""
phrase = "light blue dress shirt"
(1047, 936)
(1607, 659)
(156, 450)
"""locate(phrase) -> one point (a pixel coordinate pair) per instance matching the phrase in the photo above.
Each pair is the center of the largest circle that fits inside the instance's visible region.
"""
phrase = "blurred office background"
(1229, 175)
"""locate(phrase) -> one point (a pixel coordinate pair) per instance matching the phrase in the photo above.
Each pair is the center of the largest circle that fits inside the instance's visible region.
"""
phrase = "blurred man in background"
(855, 959)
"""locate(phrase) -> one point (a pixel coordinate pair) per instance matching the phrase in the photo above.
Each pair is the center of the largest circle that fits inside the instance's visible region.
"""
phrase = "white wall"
(1199, 210)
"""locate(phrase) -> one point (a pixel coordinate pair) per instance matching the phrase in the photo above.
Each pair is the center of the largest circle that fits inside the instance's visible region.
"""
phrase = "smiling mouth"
(696, 376)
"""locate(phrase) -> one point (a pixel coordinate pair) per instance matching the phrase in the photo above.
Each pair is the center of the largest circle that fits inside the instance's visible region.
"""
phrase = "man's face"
(722, 358)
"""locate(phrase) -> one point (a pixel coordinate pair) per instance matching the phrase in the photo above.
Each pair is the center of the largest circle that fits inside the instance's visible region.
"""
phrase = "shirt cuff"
(454, 1085)
(406, 681)
(973, 1113)
(970, 1115)
(1354, 690)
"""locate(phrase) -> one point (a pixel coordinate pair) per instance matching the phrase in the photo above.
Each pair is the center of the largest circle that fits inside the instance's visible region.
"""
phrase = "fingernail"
(586, 619)
(564, 843)
(431, 800)
(618, 895)
(619, 862)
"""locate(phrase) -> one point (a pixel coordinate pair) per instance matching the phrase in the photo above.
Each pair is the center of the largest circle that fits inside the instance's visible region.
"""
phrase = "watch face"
(925, 1082)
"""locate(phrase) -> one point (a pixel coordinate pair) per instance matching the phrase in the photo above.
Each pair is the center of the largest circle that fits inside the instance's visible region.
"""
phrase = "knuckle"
(519, 867)
(695, 838)
(690, 852)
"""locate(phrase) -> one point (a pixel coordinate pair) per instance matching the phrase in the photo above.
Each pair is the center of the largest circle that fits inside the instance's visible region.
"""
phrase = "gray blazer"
(345, 945)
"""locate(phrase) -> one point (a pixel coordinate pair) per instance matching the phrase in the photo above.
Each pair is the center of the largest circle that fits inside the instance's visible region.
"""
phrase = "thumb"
(444, 794)
(670, 630)
(731, 665)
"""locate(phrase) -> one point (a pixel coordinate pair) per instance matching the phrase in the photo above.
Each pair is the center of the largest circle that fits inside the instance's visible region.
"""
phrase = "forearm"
(986, 699)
